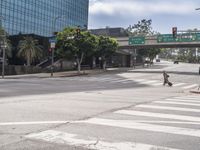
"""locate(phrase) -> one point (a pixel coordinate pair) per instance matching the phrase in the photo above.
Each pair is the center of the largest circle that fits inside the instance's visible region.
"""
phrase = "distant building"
(113, 32)
(123, 57)
(38, 16)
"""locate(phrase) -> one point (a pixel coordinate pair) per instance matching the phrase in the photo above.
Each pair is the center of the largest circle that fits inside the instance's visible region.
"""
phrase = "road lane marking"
(176, 103)
(129, 124)
(156, 84)
(139, 80)
(58, 137)
(33, 123)
(158, 115)
(187, 97)
(182, 100)
(179, 84)
(124, 80)
(168, 108)
(190, 86)
(167, 122)
(148, 82)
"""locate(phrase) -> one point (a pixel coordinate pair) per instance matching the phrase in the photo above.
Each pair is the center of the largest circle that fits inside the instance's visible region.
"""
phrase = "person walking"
(166, 81)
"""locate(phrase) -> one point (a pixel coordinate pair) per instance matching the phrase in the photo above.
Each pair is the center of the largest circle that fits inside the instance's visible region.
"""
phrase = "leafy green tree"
(150, 53)
(30, 50)
(76, 47)
(4, 39)
(142, 28)
(106, 48)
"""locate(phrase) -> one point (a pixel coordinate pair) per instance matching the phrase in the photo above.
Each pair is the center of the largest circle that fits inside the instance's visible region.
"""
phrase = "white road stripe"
(91, 143)
(168, 108)
(158, 115)
(146, 127)
(149, 82)
(192, 96)
(32, 123)
(176, 103)
(156, 84)
(114, 80)
(187, 97)
(167, 122)
(190, 86)
(179, 84)
(121, 80)
(139, 80)
(182, 100)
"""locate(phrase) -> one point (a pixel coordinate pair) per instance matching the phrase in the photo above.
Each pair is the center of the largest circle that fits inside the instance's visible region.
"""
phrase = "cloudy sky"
(165, 14)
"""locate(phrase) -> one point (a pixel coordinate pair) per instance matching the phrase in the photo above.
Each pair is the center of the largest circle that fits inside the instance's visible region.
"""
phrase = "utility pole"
(53, 48)
(3, 46)
(196, 53)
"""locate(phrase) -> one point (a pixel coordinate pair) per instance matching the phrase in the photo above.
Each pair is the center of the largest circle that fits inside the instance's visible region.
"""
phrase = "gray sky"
(165, 14)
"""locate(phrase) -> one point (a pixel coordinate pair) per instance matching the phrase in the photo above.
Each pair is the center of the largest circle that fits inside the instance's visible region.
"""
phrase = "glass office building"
(42, 17)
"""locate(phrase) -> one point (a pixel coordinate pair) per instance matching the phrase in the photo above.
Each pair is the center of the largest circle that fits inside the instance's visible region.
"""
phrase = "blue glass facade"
(38, 16)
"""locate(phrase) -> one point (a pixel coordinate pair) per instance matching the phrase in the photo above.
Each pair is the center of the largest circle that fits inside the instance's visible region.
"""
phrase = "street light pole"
(199, 67)
(3, 46)
(53, 49)
(3, 64)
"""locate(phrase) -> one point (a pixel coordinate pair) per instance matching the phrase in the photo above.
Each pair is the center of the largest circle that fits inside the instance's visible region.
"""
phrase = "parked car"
(176, 61)
(157, 60)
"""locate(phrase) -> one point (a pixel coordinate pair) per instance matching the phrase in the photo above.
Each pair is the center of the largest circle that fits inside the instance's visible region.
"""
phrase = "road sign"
(186, 37)
(53, 44)
(136, 40)
(52, 40)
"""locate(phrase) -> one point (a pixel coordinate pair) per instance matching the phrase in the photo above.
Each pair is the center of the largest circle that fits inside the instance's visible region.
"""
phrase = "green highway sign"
(186, 37)
(136, 40)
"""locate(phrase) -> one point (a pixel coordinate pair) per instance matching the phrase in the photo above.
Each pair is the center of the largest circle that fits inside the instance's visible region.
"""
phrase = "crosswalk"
(141, 81)
(169, 124)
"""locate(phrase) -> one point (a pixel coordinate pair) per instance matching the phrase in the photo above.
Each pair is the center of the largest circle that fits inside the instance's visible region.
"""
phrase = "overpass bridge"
(130, 45)
(185, 40)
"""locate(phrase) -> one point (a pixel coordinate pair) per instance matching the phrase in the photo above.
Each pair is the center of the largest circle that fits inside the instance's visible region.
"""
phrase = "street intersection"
(116, 110)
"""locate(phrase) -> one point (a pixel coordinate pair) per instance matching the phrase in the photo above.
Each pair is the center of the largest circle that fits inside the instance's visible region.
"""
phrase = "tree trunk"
(104, 65)
(94, 62)
(79, 67)
(61, 64)
(28, 61)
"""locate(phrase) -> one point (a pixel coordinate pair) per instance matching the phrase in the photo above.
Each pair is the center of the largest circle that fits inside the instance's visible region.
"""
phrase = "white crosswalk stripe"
(190, 86)
(71, 139)
(164, 120)
(168, 108)
(158, 115)
(142, 126)
(183, 100)
(111, 79)
(176, 103)
(179, 84)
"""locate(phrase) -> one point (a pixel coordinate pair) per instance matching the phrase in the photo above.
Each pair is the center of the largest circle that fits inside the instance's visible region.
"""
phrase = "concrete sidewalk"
(74, 73)
(55, 74)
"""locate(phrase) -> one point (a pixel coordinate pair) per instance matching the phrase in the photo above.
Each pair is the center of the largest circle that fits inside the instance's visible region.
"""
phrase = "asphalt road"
(116, 110)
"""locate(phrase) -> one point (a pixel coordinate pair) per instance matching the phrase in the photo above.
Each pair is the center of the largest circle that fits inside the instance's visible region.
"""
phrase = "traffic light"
(174, 32)
(78, 33)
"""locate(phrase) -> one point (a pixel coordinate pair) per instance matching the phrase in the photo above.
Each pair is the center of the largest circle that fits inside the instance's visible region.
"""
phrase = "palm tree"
(29, 49)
